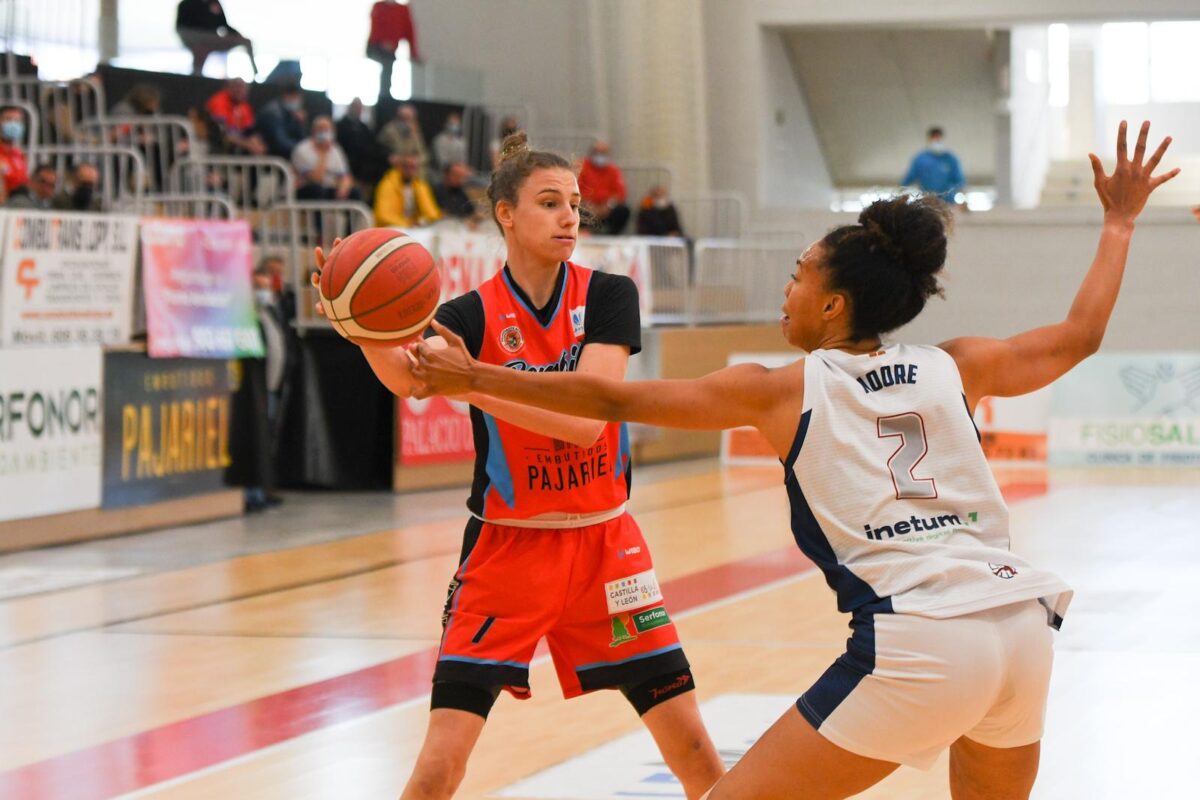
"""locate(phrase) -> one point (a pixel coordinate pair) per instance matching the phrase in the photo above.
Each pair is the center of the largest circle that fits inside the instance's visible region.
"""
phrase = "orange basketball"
(380, 285)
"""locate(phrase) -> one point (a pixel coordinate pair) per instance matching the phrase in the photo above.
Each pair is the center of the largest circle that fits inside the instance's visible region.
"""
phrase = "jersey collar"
(550, 312)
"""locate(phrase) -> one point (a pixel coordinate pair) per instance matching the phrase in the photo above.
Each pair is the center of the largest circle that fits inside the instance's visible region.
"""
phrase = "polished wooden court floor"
(287, 655)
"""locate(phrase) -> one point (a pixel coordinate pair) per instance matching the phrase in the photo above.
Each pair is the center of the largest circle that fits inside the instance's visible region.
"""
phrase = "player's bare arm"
(746, 394)
(1035, 358)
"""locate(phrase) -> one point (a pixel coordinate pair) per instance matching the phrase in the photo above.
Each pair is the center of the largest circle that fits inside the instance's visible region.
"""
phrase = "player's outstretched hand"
(442, 370)
(315, 278)
(1124, 193)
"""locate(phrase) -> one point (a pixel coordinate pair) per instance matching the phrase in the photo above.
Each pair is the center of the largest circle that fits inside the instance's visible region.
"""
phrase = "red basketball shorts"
(591, 592)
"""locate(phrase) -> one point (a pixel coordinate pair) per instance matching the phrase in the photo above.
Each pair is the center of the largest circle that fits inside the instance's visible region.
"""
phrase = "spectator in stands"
(391, 23)
(402, 137)
(403, 198)
(142, 100)
(449, 146)
(368, 158)
(230, 108)
(202, 26)
(935, 169)
(451, 192)
(602, 187)
(281, 121)
(657, 216)
(252, 439)
(14, 168)
(40, 190)
(80, 192)
(322, 167)
(508, 126)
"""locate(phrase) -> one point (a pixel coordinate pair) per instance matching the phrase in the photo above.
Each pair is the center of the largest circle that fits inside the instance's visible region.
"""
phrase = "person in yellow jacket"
(403, 199)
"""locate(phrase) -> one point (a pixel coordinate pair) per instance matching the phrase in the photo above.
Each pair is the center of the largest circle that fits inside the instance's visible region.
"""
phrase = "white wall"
(1030, 114)
(795, 173)
(945, 12)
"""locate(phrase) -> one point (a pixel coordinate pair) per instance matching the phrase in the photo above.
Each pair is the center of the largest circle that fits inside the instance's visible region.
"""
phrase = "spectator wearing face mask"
(322, 166)
(368, 158)
(281, 122)
(40, 190)
(602, 187)
(80, 192)
(508, 126)
(449, 146)
(658, 216)
(451, 194)
(14, 167)
(935, 170)
(402, 137)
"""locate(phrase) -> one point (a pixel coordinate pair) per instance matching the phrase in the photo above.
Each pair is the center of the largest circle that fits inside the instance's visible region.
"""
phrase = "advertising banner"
(436, 430)
(51, 422)
(67, 278)
(620, 256)
(199, 299)
(166, 427)
(1014, 428)
(1128, 409)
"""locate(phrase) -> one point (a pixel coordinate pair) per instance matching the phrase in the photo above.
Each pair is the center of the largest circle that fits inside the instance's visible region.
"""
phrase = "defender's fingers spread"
(1158, 154)
(1161, 179)
(1139, 152)
(1122, 143)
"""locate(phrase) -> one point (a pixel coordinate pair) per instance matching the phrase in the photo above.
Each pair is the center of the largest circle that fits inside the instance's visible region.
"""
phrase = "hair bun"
(911, 232)
(514, 146)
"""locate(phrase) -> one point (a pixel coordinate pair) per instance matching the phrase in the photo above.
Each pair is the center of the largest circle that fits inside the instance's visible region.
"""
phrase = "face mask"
(324, 137)
(454, 129)
(293, 105)
(937, 147)
(264, 297)
(13, 130)
(600, 160)
(83, 194)
(662, 202)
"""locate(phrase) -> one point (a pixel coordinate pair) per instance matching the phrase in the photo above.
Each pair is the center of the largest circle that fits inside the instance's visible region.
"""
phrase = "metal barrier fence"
(32, 130)
(252, 183)
(188, 206)
(61, 105)
(122, 172)
(162, 141)
(739, 281)
(716, 215)
(571, 144)
(291, 231)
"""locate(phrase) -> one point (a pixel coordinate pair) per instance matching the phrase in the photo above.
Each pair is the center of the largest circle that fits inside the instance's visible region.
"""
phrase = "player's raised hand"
(1124, 193)
(443, 370)
(315, 278)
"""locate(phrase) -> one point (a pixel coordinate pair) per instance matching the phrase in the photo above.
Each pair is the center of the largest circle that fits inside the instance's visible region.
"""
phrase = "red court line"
(180, 748)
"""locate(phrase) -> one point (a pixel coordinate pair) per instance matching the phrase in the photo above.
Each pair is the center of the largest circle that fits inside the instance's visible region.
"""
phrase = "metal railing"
(716, 215)
(739, 281)
(252, 183)
(670, 282)
(32, 129)
(571, 144)
(162, 141)
(122, 171)
(188, 206)
(61, 105)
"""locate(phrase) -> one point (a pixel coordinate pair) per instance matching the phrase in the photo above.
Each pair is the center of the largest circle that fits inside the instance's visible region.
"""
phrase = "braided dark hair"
(888, 263)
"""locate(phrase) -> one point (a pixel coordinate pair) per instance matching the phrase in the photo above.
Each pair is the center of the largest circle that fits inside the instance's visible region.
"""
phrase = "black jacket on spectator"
(198, 15)
(453, 201)
(368, 158)
(280, 129)
(659, 222)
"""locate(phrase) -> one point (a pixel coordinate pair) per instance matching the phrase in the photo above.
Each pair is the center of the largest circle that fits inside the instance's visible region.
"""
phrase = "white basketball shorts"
(907, 687)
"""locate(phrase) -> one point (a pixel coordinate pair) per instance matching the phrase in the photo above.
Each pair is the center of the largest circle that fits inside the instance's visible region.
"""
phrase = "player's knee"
(436, 776)
(659, 689)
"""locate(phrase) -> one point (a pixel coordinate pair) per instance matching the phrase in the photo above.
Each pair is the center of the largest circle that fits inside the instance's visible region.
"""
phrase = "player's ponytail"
(517, 163)
(888, 263)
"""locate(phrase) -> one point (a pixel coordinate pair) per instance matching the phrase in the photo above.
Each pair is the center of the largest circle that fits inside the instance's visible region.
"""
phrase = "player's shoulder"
(605, 286)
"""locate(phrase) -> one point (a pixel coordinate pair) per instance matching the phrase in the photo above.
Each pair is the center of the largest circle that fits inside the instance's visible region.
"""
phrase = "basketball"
(380, 285)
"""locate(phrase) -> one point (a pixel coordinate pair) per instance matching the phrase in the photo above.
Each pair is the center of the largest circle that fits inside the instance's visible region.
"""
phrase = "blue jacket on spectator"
(280, 129)
(936, 173)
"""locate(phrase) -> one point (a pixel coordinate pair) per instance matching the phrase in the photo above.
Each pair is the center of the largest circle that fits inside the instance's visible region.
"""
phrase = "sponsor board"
(199, 300)
(746, 446)
(67, 278)
(1015, 428)
(631, 768)
(166, 427)
(1128, 409)
(436, 430)
(628, 256)
(51, 426)
(632, 592)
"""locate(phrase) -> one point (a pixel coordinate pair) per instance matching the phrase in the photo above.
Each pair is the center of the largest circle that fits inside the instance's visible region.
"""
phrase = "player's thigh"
(979, 772)
(792, 760)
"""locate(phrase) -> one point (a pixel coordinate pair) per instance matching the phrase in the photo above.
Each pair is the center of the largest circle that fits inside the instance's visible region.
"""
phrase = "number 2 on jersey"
(913, 447)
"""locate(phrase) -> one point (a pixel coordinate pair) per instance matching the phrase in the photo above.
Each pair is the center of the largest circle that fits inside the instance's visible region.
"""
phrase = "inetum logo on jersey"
(577, 319)
(911, 525)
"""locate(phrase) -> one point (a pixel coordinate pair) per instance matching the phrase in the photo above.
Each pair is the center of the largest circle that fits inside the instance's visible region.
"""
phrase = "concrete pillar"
(109, 33)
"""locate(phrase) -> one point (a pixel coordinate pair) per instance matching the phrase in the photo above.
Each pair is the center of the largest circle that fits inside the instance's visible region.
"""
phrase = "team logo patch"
(626, 627)
(1002, 571)
(511, 339)
(577, 314)
(620, 632)
(634, 592)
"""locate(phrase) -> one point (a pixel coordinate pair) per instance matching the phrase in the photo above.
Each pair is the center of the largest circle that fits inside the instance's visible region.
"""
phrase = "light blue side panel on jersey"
(625, 453)
(497, 465)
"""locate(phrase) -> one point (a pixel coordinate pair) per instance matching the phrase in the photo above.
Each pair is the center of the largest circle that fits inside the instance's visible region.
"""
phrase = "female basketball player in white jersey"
(891, 496)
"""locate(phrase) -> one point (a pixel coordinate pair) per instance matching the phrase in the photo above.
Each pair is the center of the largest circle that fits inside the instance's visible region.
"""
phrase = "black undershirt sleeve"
(613, 312)
(464, 316)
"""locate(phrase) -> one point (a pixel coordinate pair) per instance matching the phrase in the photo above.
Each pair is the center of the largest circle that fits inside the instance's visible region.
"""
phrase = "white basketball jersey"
(892, 496)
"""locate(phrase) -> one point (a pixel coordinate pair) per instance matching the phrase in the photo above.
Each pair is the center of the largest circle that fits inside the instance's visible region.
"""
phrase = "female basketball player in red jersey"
(550, 550)
(891, 496)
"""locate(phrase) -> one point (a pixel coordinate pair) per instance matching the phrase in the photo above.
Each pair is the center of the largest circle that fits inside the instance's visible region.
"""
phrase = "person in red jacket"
(603, 189)
(391, 23)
